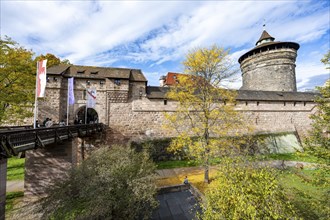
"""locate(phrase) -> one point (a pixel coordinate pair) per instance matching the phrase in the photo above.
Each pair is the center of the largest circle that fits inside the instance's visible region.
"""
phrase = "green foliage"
(318, 141)
(242, 191)
(326, 59)
(158, 149)
(15, 168)
(52, 60)
(115, 183)
(17, 82)
(11, 199)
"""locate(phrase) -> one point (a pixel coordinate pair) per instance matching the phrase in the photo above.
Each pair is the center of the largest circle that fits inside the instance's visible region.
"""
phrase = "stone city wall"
(144, 118)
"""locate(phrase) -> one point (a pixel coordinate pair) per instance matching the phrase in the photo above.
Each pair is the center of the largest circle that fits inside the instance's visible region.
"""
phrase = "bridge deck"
(19, 139)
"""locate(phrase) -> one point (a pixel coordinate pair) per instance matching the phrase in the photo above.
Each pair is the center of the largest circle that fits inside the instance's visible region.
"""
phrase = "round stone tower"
(270, 66)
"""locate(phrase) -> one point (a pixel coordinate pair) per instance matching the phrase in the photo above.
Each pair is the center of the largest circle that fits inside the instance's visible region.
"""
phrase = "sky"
(155, 36)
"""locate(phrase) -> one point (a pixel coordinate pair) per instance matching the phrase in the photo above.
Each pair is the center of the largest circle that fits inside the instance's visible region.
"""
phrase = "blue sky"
(154, 36)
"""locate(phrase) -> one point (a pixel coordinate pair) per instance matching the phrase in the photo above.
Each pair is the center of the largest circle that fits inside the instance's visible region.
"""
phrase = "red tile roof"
(171, 78)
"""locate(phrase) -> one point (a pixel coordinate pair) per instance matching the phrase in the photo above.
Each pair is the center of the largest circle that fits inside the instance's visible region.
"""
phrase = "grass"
(12, 198)
(15, 168)
(290, 156)
(215, 161)
(175, 164)
(309, 198)
(183, 163)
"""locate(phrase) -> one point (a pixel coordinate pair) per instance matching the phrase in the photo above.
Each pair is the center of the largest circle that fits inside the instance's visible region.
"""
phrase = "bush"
(158, 149)
(113, 183)
(242, 191)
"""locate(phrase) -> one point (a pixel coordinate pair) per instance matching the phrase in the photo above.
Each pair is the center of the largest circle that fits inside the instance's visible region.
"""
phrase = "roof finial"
(264, 25)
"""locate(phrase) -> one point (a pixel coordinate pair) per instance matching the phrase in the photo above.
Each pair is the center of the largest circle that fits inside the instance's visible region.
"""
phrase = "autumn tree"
(243, 190)
(205, 111)
(113, 183)
(17, 81)
(52, 60)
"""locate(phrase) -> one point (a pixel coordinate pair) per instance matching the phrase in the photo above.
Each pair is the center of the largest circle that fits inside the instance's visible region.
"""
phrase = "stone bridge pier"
(44, 166)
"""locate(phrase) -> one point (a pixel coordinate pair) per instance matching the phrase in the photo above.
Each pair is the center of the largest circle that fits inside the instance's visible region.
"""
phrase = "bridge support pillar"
(3, 182)
(46, 165)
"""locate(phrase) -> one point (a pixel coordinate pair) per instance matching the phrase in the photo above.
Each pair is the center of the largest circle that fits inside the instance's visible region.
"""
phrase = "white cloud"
(154, 32)
(306, 71)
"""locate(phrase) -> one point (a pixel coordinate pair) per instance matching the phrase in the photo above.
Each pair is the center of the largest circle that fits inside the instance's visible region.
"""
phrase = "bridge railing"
(21, 139)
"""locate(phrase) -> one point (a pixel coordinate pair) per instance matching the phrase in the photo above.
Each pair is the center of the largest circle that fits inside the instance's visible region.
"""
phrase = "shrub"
(113, 183)
(242, 191)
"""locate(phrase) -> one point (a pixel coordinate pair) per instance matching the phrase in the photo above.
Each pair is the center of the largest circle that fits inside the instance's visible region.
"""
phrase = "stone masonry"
(46, 165)
(271, 70)
(134, 111)
(270, 66)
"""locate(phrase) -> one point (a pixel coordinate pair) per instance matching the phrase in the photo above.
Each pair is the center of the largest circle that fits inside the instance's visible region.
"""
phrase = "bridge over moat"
(50, 152)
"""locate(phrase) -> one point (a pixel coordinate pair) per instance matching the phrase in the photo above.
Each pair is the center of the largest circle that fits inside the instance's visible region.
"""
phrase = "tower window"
(117, 82)
(165, 101)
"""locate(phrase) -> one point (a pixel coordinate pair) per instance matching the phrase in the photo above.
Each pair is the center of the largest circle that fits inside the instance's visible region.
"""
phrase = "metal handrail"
(14, 141)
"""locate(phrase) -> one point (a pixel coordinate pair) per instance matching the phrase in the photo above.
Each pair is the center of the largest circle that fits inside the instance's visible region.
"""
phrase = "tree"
(319, 136)
(244, 191)
(326, 60)
(205, 111)
(52, 60)
(17, 81)
(113, 183)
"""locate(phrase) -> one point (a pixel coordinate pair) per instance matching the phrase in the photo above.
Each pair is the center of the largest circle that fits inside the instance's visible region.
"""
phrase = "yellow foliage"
(205, 111)
(195, 177)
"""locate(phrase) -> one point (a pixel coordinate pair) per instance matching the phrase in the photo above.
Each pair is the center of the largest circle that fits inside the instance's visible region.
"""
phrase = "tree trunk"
(206, 174)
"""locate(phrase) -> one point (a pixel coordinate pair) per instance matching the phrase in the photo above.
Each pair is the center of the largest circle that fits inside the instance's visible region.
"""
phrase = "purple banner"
(70, 91)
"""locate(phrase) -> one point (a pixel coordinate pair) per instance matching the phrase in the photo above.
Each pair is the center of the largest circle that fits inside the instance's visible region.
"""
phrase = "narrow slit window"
(117, 82)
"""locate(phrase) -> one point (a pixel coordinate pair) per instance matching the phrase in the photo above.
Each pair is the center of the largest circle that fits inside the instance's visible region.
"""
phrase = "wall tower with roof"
(270, 66)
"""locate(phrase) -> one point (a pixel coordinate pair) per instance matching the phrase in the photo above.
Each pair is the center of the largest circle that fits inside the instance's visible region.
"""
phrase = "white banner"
(41, 78)
(91, 98)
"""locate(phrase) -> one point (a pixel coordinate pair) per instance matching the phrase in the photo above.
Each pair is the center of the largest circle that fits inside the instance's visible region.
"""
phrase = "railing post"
(3, 182)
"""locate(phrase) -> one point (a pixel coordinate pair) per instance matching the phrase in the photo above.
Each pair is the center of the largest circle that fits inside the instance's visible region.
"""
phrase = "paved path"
(15, 185)
(165, 173)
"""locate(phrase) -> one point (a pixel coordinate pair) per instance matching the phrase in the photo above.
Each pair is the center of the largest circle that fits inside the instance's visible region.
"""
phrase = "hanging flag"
(41, 78)
(70, 91)
(91, 98)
